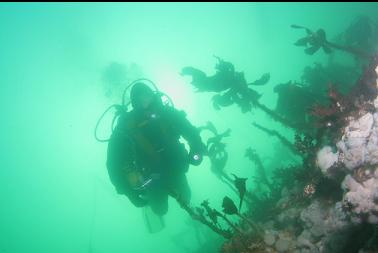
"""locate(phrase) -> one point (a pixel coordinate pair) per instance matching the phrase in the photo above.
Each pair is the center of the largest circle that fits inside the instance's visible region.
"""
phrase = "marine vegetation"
(230, 85)
(325, 200)
(313, 41)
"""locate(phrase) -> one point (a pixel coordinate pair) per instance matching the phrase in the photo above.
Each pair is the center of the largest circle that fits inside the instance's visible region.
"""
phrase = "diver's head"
(141, 96)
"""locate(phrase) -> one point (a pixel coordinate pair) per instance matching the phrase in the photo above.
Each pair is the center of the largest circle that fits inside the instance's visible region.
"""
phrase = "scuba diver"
(145, 159)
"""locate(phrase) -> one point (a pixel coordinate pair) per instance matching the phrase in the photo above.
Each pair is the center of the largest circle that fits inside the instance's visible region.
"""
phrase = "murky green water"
(55, 82)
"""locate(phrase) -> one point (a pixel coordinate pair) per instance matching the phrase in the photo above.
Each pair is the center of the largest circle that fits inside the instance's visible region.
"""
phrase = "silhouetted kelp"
(231, 86)
(293, 188)
(240, 184)
(216, 149)
(313, 41)
(261, 177)
(279, 136)
(209, 217)
(217, 153)
(362, 32)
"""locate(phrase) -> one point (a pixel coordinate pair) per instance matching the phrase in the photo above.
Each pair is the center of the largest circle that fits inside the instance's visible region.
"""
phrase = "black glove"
(136, 199)
(195, 158)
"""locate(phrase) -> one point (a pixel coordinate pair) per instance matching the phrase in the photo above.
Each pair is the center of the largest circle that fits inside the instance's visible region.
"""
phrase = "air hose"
(123, 108)
(119, 110)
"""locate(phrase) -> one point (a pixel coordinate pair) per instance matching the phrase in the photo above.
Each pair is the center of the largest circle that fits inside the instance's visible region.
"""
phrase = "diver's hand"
(136, 199)
(195, 158)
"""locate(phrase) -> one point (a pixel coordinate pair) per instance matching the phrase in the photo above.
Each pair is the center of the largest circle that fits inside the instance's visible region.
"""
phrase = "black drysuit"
(148, 140)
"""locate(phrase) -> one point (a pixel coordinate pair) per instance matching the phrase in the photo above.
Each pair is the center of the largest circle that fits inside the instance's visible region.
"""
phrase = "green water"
(55, 192)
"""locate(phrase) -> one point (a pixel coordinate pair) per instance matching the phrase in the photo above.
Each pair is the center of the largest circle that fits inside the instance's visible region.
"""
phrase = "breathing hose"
(123, 108)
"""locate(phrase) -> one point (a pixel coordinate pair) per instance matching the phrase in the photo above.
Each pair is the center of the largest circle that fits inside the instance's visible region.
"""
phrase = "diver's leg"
(158, 200)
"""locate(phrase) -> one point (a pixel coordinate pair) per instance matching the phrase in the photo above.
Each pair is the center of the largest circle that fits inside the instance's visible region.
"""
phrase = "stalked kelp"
(240, 185)
(279, 136)
(216, 149)
(261, 176)
(362, 32)
(217, 153)
(199, 215)
(231, 86)
(210, 217)
(313, 41)
(245, 232)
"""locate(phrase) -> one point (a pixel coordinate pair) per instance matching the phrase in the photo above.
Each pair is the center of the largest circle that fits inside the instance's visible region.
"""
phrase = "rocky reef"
(336, 211)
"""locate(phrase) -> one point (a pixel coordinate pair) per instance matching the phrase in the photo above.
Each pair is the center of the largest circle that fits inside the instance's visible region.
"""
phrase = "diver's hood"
(143, 98)
(139, 95)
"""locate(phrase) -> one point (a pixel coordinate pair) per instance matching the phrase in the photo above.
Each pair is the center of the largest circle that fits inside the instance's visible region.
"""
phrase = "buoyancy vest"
(156, 140)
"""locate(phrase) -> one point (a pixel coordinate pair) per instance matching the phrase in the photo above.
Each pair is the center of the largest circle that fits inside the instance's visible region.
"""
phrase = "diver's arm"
(192, 136)
(120, 156)
(118, 161)
(115, 162)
